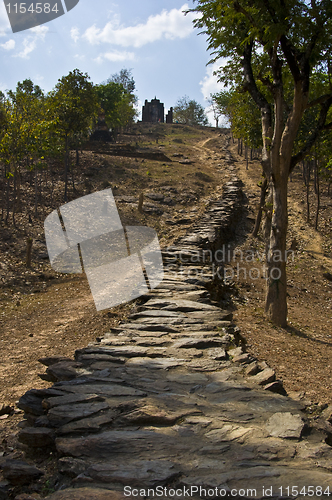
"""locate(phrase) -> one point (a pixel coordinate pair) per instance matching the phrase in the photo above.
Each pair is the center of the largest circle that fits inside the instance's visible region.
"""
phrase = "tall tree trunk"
(8, 199)
(308, 168)
(261, 208)
(36, 192)
(14, 196)
(276, 293)
(318, 193)
(66, 170)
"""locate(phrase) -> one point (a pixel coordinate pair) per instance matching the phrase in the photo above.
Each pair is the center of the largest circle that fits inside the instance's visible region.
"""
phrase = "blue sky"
(100, 37)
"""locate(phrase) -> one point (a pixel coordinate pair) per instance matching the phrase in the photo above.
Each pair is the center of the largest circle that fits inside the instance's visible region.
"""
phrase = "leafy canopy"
(189, 112)
(274, 49)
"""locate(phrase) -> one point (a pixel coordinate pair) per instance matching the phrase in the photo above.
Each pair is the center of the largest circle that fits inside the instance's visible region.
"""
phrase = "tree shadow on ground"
(299, 333)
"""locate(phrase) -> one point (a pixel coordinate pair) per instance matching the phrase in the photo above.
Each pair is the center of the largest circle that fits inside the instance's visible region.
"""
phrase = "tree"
(275, 45)
(124, 78)
(117, 104)
(22, 138)
(189, 112)
(215, 108)
(74, 106)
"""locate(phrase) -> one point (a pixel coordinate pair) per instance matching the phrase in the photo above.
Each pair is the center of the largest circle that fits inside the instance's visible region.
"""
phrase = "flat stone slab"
(198, 343)
(285, 425)
(142, 473)
(87, 494)
(107, 390)
(156, 363)
(181, 305)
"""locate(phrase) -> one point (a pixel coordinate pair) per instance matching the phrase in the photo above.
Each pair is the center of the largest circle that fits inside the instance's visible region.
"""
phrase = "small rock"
(71, 466)
(265, 377)
(6, 409)
(252, 368)
(36, 437)
(276, 387)
(18, 472)
(52, 360)
(285, 425)
(64, 370)
(155, 196)
(242, 358)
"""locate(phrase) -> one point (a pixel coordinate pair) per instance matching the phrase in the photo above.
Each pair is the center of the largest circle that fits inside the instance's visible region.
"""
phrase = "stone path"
(171, 400)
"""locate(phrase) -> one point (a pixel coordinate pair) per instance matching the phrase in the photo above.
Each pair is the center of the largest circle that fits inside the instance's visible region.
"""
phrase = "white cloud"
(30, 42)
(169, 24)
(9, 45)
(75, 34)
(115, 56)
(209, 84)
(4, 22)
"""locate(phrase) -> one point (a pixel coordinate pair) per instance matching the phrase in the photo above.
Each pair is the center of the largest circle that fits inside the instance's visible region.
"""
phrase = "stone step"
(170, 399)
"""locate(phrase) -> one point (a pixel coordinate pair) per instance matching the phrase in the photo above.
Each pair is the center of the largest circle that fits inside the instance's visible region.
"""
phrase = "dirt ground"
(44, 313)
(302, 353)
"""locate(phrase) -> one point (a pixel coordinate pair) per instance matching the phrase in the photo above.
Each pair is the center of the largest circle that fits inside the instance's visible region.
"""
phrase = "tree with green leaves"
(116, 103)
(22, 137)
(74, 107)
(215, 108)
(124, 78)
(276, 46)
(189, 112)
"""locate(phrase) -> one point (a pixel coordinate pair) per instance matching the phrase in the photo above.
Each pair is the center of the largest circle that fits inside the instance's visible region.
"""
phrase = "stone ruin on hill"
(153, 112)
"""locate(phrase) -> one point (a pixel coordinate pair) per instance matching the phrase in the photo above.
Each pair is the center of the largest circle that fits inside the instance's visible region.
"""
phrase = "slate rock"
(156, 363)
(229, 432)
(252, 368)
(198, 343)
(276, 387)
(89, 424)
(64, 370)
(6, 409)
(264, 377)
(60, 415)
(105, 389)
(86, 494)
(52, 360)
(285, 425)
(144, 473)
(151, 415)
(37, 437)
(31, 402)
(155, 196)
(71, 399)
(106, 445)
(26, 496)
(71, 466)
(244, 358)
(19, 473)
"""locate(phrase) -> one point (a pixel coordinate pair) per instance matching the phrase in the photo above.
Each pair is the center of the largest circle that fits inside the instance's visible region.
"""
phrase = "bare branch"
(319, 100)
(250, 83)
(289, 53)
(321, 125)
